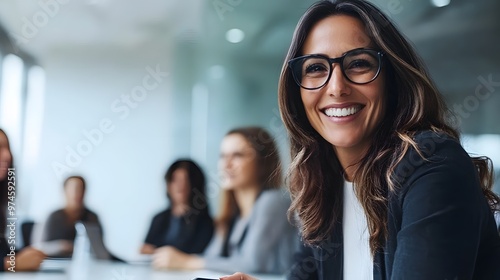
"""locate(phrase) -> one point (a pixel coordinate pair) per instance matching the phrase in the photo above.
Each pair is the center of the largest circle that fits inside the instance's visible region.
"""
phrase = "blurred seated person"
(186, 223)
(59, 230)
(252, 231)
(29, 258)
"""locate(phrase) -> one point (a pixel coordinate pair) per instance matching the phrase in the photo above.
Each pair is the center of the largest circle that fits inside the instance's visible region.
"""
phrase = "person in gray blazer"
(253, 233)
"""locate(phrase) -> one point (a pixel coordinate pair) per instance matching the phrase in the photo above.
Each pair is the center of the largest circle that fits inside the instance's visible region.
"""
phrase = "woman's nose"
(337, 86)
(226, 162)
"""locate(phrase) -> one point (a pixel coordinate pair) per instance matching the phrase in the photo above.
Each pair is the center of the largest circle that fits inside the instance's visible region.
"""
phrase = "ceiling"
(459, 42)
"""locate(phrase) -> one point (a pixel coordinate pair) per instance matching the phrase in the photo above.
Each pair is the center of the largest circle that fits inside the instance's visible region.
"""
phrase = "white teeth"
(342, 112)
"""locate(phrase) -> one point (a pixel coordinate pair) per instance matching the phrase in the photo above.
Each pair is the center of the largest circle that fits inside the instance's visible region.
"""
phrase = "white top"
(358, 262)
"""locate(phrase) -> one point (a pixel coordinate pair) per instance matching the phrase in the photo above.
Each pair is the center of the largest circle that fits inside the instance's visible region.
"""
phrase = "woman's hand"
(147, 249)
(238, 276)
(28, 259)
(168, 257)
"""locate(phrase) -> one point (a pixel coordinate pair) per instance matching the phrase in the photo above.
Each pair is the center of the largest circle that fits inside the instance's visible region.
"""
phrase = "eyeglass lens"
(360, 66)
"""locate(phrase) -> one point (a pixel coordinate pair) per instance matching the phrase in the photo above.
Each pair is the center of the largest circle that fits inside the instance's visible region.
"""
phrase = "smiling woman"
(349, 178)
(355, 85)
(379, 181)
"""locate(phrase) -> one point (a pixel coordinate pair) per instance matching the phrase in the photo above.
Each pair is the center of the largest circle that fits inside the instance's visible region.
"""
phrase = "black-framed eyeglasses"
(359, 66)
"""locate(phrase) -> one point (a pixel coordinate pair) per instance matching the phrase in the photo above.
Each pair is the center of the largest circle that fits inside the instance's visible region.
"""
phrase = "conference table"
(107, 270)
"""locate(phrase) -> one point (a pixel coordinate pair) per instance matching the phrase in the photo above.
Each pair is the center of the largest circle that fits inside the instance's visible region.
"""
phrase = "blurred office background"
(117, 90)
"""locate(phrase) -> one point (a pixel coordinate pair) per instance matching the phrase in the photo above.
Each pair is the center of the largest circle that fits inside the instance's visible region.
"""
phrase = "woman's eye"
(360, 64)
(315, 68)
(238, 155)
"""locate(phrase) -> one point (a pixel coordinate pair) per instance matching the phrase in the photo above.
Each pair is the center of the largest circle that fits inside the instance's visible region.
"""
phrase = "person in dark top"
(252, 231)
(59, 230)
(28, 258)
(186, 224)
(379, 181)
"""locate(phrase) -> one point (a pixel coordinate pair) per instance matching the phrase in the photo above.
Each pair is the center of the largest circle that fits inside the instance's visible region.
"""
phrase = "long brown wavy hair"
(268, 166)
(413, 104)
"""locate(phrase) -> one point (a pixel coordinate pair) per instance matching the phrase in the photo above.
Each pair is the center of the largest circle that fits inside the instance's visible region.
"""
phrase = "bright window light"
(34, 114)
(217, 71)
(235, 35)
(440, 3)
(483, 145)
(199, 122)
(11, 100)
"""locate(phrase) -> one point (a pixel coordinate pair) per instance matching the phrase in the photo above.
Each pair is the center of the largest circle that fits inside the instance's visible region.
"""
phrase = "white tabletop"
(97, 270)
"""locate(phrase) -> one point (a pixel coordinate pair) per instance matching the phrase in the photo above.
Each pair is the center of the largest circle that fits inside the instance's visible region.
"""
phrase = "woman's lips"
(340, 112)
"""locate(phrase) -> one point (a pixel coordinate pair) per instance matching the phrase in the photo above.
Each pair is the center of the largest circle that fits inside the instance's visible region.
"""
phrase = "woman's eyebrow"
(343, 53)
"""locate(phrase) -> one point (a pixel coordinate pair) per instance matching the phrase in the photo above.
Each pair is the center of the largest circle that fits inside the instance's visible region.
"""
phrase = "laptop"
(97, 249)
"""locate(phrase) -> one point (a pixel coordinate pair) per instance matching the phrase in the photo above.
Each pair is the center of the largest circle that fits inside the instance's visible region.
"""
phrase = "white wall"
(125, 166)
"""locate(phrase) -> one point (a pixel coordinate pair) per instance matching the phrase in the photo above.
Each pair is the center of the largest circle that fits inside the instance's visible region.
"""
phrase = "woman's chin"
(226, 186)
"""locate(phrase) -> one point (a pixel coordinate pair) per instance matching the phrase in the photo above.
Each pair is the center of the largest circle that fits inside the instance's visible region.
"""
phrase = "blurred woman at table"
(253, 233)
(59, 230)
(28, 258)
(186, 224)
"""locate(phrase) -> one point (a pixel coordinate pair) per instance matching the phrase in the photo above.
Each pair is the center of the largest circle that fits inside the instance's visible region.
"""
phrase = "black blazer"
(439, 223)
(195, 234)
